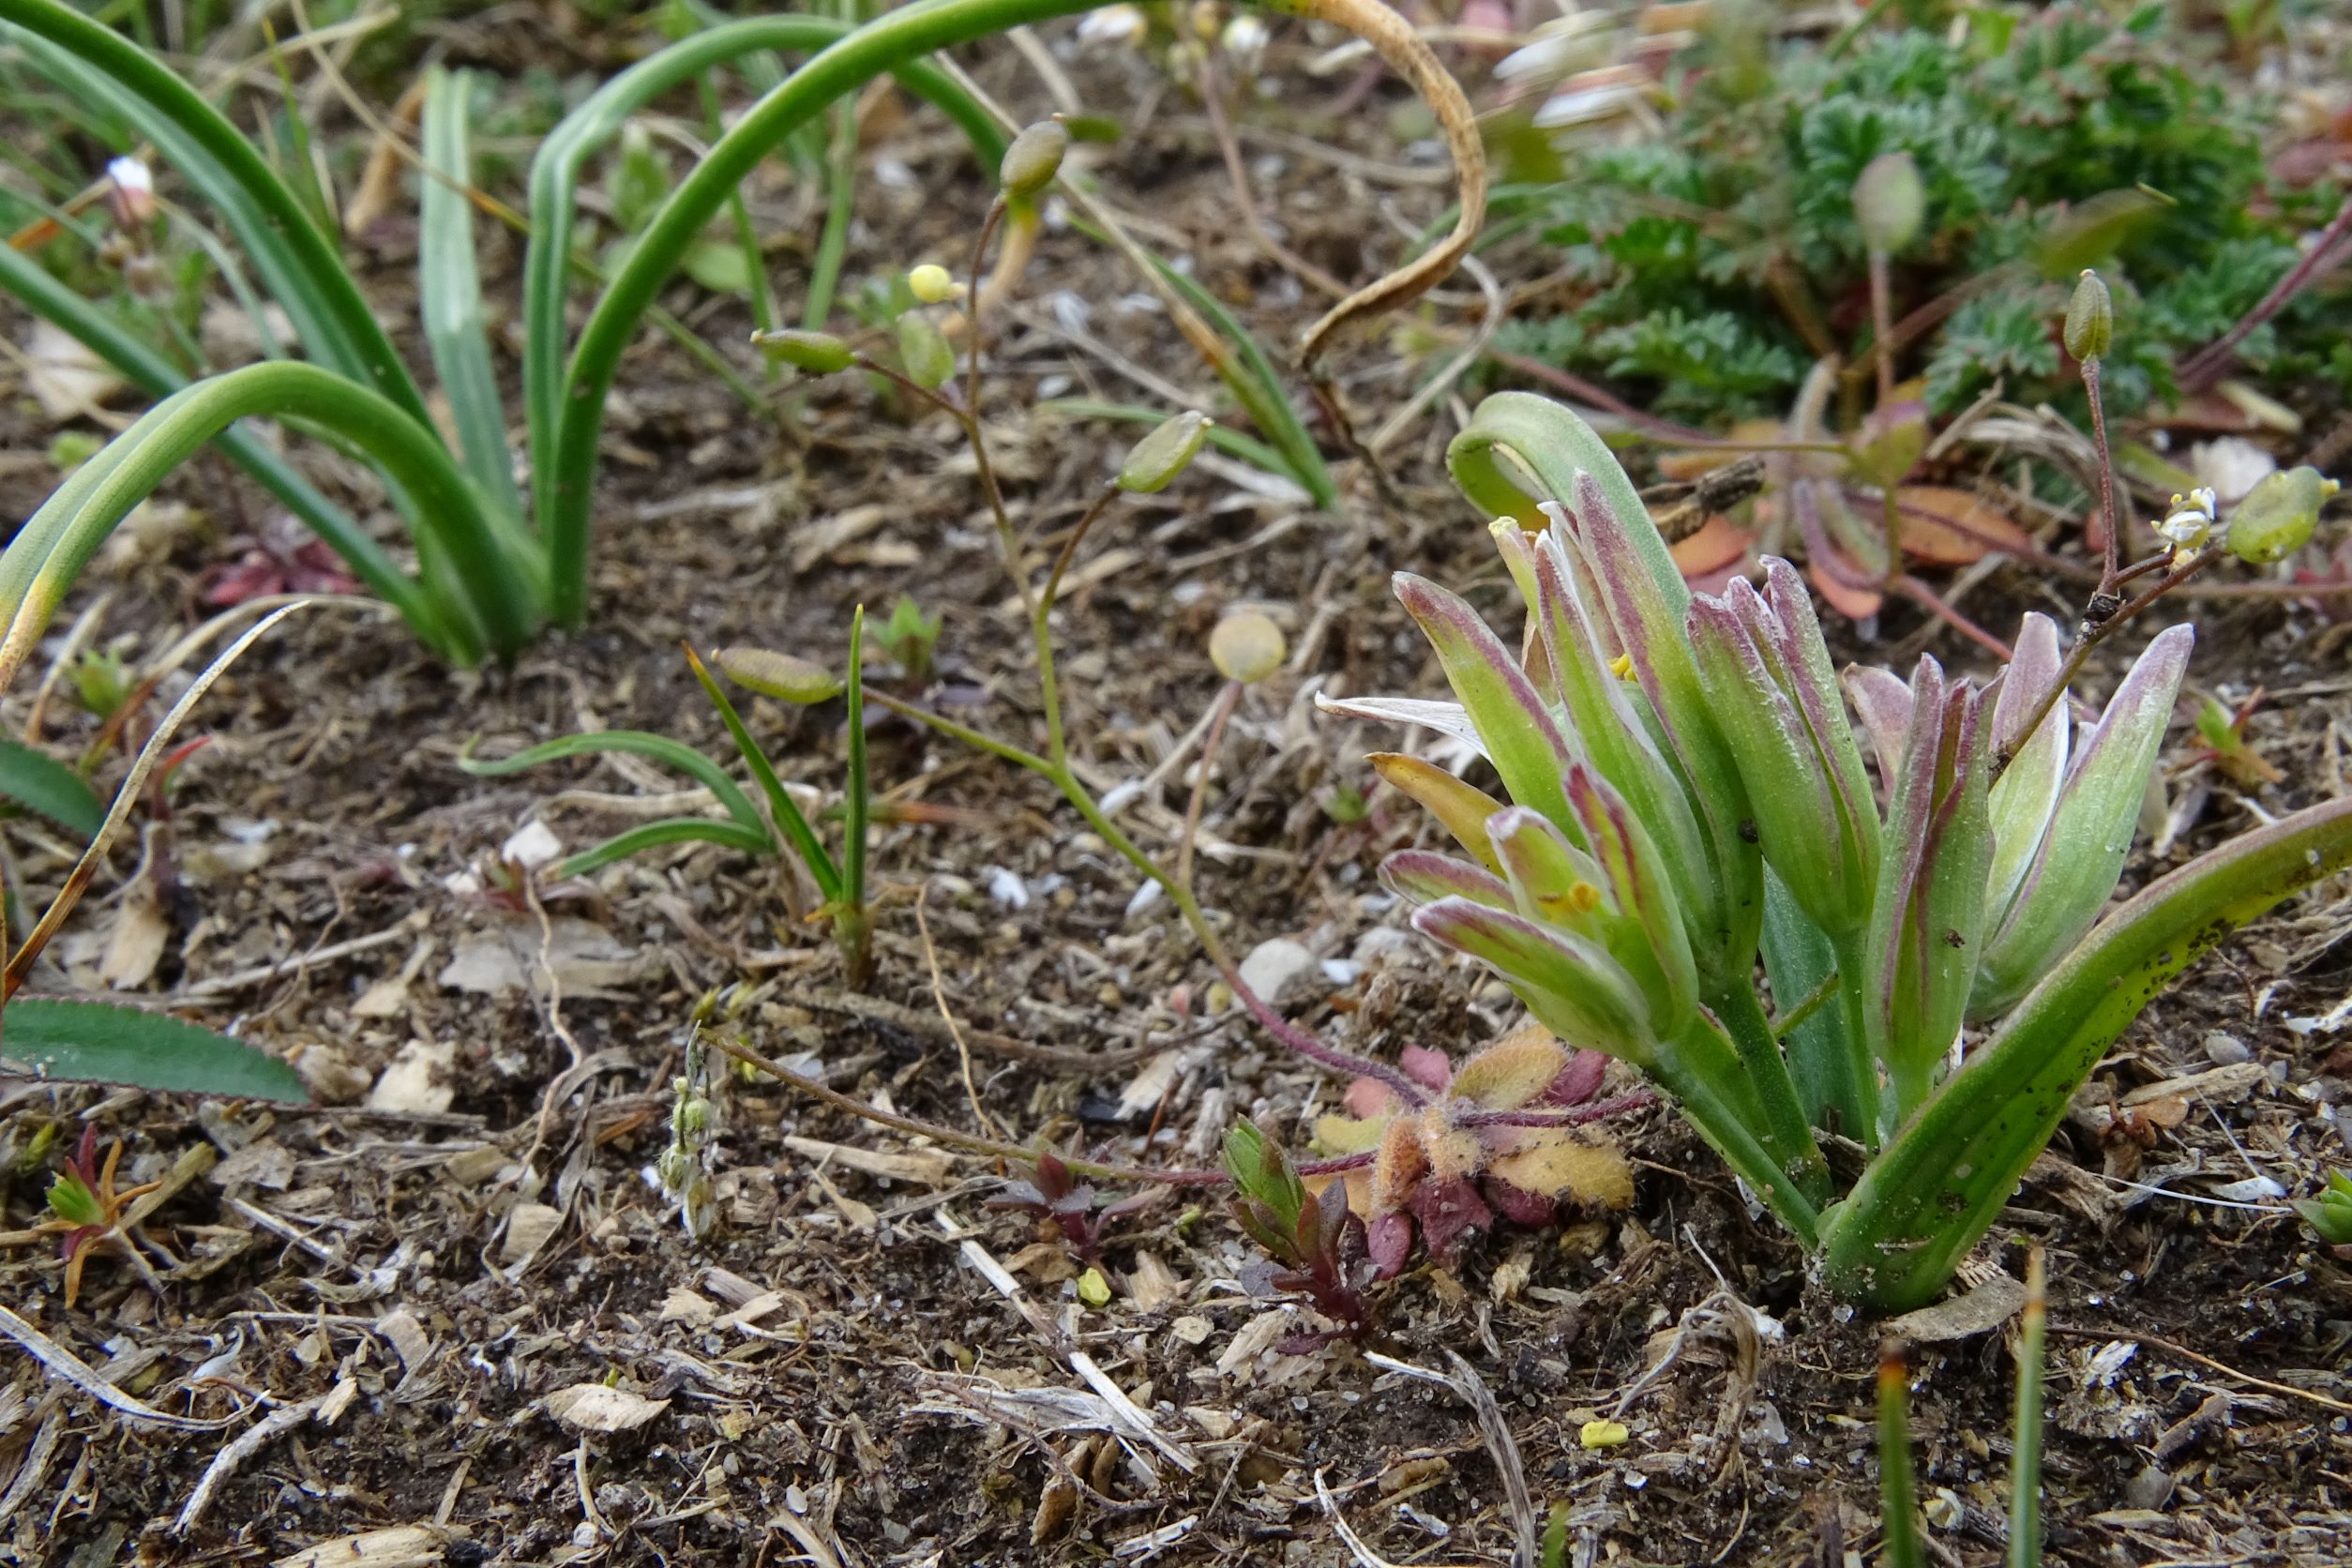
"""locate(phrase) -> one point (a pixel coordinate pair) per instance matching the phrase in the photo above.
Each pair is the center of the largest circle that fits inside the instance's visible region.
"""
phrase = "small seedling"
(1076, 1208)
(1316, 1243)
(2329, 1215)
(85, 1207)
(910, 638)
(784, 833)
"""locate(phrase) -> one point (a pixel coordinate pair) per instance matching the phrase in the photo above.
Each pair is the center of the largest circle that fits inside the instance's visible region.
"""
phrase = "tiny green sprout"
(2278, 515)
(1034, 158)
(819, 353)
(640, 180)
(1093, 1290)
(783, 676)
(1153, 462)
(933, 284)
(71, 1201)
(2090, 318)
(909, 636)
(100, 682)
(1271, 1195)
(69, 449)
(1890, 201)
(1347, 806)
(2330, 1212)
(929, 361)
(1247, 646)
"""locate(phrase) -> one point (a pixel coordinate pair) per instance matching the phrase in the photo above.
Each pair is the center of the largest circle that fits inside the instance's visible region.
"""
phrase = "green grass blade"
(854, 804)
(151, 372)
(49, 551)
(637, 742)
(670, 830)
(96, 1041)
(449, 291)
(833, 242)
(788, 820)
(317, 284)
(1258, 387)
(1231, 442)
(1898, 1494)
(41, 783)
(555, 173)
(1940, 1184)
(2024, 1469)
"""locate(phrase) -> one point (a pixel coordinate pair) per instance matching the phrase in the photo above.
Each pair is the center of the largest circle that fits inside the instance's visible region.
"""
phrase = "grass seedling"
(784, 833)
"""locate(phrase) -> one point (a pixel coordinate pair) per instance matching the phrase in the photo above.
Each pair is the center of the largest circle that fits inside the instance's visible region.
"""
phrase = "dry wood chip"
(399, 1546)
(1978, 1311)
(408, 1337)
(684, 1306)
(527, 1229)
(2217, 1083)
(931, 1170)
(600, 1407)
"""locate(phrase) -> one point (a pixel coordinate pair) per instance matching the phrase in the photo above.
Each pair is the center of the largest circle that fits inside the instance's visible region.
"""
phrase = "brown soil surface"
(836, 1382)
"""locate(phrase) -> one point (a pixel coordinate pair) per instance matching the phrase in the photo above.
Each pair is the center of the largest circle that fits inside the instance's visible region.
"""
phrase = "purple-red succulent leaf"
(1600, 705)
(1883, 702)
(1647, 935)
(1388, 1240)
(1550, 879)
(2074, 872)
(1521, 1206)
(1791, 796)
(2027, 793)
(1424, 876)
(1514, 725)
(1792, 636)
(1571, 984)
(1927, 927)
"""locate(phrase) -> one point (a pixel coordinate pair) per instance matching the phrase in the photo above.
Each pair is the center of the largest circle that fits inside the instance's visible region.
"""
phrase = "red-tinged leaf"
(1426, 1066)
(1855, 604)
(1388, 1240)
(1952, 528)
(1450, 1213)
(1521, 1206)
(1883, 700)
(1514, 724)
(1423, 876)
(1719, 546)
(1579, 1081)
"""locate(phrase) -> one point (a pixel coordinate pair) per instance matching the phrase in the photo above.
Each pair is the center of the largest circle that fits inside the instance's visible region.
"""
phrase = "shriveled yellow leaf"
(1349, 1135)
(1512, 1071)
(1460, 809)
(1559, 1165)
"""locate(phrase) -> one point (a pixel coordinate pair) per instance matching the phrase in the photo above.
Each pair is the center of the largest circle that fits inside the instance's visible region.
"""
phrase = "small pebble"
(2226, 1051)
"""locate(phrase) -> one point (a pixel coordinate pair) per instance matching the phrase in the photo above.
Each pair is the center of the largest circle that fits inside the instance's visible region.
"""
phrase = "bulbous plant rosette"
(1488, 1141)
(1688, 797)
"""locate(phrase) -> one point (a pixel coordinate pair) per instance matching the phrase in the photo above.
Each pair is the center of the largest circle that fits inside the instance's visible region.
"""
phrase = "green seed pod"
(924, 347)
(782, 676)
(819, 353)
(932, 283)
(1034, 158)
(2278, 515)
(1247, 646)
(1890, 201)
(1153, 462)
(2090, 318)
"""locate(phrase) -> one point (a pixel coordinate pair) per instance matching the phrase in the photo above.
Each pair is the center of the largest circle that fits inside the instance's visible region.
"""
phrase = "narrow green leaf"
(36, 779)
(637, 742)
(669, 830)
(449, 293)
(96, 1042)
(788, 820)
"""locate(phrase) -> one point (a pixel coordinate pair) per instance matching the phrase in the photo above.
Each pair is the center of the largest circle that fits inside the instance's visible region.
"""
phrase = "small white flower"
(2191, 519)
(1112, 24)
(1246, 40)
